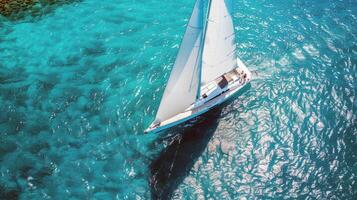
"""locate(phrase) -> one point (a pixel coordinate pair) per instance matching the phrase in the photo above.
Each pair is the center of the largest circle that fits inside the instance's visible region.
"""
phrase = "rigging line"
(233, 51)
(195, 27)
(231, 35)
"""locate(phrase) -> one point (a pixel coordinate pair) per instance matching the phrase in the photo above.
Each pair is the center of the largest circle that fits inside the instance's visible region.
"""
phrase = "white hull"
(214, 93)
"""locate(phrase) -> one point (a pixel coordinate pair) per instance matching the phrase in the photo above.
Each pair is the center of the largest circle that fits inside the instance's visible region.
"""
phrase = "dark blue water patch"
(182, 149)
(9, 193)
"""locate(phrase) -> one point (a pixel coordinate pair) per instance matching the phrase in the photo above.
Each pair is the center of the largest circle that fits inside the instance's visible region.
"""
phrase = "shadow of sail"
(177, 159)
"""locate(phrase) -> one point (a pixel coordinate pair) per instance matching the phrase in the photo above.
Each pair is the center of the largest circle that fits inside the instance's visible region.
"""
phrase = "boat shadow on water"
(184, 148)
(186, 144)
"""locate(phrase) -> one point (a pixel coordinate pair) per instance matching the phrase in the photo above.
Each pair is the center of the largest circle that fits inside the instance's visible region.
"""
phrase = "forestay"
(219, 53)
(181, 89)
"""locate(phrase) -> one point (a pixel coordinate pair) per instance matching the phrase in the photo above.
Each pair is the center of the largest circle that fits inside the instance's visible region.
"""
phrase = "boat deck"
(213, 94)
(223, 81)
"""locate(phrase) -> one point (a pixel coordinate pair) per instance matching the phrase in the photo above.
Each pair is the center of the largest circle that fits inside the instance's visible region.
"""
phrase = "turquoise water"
(79, 85)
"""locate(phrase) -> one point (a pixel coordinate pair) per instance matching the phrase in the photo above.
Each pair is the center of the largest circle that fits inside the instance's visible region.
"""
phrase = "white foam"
(299, 54)
(310, 49)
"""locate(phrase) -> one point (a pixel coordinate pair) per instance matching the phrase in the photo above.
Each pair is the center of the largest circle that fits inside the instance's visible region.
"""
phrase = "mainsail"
(219, 53)
(181, 89)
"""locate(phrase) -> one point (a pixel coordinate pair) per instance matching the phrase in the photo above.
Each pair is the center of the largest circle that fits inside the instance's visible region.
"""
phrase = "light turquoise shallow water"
(80, 84)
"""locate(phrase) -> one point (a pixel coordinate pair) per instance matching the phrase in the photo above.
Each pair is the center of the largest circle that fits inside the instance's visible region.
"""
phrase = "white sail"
(219, 53)
(182, 87)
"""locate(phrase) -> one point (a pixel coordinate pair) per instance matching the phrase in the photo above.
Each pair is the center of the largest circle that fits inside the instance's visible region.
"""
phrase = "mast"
(201, 49)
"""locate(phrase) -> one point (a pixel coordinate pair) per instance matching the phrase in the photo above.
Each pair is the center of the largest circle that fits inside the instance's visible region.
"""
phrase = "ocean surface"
(79, 84)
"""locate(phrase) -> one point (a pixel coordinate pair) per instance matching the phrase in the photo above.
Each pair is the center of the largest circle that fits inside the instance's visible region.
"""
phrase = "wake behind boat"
(206, 71)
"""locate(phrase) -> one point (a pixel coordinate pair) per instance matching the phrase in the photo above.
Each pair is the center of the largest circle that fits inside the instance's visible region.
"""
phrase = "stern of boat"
(244, 68)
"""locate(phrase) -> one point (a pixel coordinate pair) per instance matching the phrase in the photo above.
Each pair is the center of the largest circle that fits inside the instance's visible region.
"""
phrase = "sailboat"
(206, 71)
